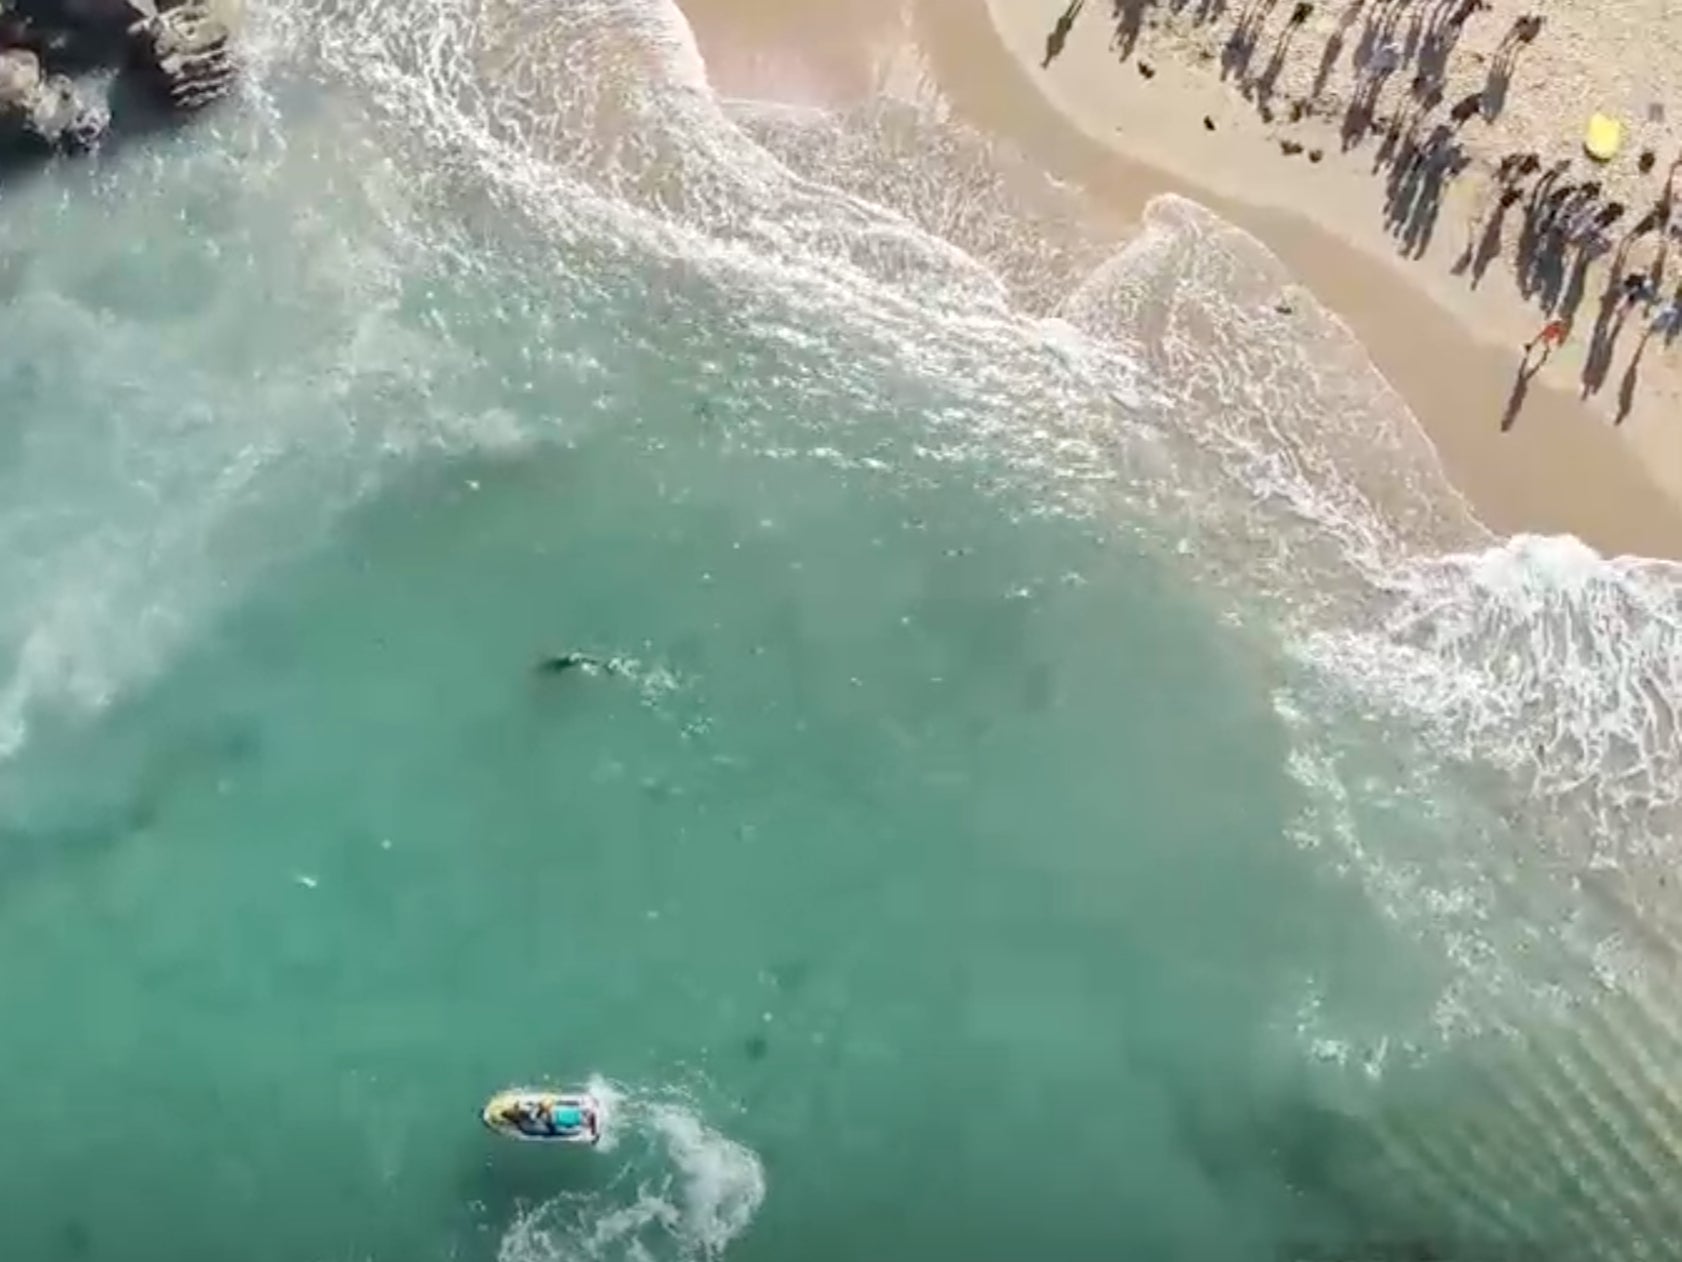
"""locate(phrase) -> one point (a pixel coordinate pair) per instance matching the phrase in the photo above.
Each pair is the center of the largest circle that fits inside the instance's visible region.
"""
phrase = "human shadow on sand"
(1059, 34)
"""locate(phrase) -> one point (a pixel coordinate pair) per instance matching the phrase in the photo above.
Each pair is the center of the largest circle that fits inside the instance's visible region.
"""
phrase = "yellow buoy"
(1603, 138)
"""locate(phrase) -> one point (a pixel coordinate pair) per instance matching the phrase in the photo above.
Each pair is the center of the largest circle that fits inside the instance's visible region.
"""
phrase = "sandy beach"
(1136, 99)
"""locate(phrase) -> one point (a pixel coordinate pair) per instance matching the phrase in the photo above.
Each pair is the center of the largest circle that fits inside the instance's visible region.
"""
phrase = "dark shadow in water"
(116, 807)
(1332, 1169)
(75, 1241)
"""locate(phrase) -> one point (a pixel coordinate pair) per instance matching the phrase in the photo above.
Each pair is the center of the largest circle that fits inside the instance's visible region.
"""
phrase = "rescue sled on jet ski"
(544, 1117)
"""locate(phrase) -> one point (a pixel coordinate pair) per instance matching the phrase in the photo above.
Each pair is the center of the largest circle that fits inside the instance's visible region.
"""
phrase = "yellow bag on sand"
(1603, 138)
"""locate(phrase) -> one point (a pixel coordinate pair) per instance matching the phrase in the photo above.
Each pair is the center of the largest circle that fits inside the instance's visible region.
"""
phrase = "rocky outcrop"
(181, 51)
(48, 108)
(187, 49)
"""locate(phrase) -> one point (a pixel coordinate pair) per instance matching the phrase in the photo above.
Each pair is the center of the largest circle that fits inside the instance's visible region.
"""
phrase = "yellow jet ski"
(545, 1117)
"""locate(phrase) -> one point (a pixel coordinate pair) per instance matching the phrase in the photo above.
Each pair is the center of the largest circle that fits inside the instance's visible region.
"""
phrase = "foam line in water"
(718, 191)
(1393, 598)
(683, 1190)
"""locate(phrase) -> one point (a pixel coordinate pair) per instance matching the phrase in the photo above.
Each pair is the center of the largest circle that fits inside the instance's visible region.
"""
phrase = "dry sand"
(1125, 136)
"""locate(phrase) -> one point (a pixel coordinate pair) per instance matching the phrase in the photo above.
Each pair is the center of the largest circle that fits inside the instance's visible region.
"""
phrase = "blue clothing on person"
(568, 1118)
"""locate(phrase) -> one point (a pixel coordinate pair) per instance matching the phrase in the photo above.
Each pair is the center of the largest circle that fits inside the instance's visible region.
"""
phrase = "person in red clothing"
(1552, 334)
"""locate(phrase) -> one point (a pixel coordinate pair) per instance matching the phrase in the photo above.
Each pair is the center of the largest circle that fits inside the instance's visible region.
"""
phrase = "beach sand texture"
(1412, 116)
(1125, 129)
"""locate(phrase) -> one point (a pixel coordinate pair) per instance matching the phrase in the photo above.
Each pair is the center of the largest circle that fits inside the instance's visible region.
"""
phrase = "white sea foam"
(684, 1190)
(1158, 383)
(208, 429)
(1155, 382)
(1456, 703)
(1480, 724)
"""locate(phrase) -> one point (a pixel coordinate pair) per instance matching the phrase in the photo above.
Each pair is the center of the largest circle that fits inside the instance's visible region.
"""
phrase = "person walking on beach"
(1667, 323)
(1551, 334)
(1638, 287)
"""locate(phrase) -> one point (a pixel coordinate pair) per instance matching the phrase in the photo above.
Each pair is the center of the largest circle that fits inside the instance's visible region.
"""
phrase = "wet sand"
(1559, 466)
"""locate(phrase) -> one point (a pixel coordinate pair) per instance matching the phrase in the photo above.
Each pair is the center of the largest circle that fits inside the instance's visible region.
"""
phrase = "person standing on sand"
(1668, 322)
(1552, 334)
(1638, 287)
(1582, 222)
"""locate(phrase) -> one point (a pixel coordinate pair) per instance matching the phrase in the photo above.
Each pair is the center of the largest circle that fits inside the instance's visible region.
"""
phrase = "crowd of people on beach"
(1572, 220)
(1567, 225)
(1573, 235)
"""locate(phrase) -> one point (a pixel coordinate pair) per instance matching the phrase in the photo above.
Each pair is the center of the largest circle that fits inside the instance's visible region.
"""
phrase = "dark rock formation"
(187, 51)
(47, 108)
(179, 51)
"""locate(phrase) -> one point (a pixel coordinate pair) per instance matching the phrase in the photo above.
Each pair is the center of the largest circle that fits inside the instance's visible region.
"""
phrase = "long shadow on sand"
(1399, 54)
(1059, 35)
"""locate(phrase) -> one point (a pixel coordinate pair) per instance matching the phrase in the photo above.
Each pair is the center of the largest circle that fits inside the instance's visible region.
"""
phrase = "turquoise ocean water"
(1079, 785)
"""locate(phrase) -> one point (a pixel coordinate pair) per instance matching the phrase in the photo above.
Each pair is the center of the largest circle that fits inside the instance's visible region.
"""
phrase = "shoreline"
(1563, 469)
(1451, 353)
